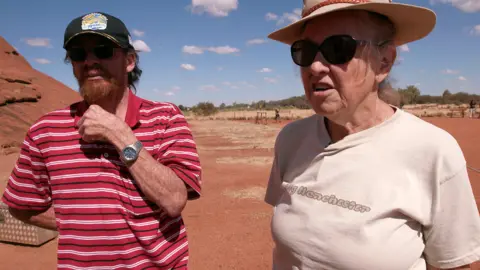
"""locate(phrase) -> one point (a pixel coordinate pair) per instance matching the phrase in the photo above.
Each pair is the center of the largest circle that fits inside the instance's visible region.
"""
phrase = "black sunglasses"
(101, 52)
(336, 50)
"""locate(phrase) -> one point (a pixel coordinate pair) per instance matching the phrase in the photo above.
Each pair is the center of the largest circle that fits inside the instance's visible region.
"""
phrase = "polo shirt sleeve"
(179, 152)
(453, 239)
(28, 185)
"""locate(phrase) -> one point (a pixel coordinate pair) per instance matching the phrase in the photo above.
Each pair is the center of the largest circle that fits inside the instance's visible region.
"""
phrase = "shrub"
(204, 109)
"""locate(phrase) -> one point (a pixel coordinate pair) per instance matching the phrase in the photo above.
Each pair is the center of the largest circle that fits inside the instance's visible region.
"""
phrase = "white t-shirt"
(394, 196)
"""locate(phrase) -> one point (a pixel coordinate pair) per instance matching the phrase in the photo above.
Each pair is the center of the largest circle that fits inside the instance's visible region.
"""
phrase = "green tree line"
(408, 95)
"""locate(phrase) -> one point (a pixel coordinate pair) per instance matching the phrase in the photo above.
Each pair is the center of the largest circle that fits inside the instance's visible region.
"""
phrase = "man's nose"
(91, 58)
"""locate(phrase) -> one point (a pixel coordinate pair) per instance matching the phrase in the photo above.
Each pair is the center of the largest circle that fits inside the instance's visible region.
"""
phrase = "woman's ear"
(387, 60)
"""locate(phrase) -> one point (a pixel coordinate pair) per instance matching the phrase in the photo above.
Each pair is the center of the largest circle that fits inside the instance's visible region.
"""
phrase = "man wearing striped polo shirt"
(113, 172)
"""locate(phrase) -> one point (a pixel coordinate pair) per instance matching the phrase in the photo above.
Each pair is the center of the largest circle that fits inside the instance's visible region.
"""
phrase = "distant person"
(114, 169)
(277, 115)
(362, 184)
(473, 105)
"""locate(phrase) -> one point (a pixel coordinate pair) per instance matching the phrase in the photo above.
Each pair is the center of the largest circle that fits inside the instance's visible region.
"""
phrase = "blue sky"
(222, 55)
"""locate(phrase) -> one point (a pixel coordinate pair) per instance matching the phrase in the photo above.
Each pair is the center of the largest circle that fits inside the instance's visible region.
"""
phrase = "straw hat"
(411, 22)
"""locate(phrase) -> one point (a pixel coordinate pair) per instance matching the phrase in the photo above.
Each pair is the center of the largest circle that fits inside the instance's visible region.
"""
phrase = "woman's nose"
(319, 65)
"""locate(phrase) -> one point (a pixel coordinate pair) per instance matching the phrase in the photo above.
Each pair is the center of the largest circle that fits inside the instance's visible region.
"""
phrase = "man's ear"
(131, 59)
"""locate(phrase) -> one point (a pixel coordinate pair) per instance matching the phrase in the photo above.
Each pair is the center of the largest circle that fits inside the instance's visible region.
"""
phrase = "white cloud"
(404, 48)
(231, 85)
(475, 30)
(141, 46)
(220, 68)
(38, 42)
(192, 49)
(469, 6)
(216, 8)
(42, 61)
(270, 80)
(286, 18)
(209, 87)
(271, 16)
(461, 78)
(219, 50)
(239, 85)
(170, 92)
(450, 71)
(138, 33)
(256, 41)
(188, 67)
(223, 50)
(246, 84)
(263, 70)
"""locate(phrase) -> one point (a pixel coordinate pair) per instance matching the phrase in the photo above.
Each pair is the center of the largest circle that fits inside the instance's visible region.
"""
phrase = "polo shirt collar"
(133, 110)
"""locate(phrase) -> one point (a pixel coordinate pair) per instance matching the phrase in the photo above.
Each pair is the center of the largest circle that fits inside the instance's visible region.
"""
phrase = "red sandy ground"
(228, 233)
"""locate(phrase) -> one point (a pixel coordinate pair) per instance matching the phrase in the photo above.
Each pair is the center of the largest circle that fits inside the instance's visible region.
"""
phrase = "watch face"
(129, 153)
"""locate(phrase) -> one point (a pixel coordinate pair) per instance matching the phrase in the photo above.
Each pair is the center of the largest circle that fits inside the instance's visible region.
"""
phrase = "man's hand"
(97, 124)
(158, 182)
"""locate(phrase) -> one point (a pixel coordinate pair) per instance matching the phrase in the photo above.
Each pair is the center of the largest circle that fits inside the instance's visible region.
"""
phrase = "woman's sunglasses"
(336, 50)
(101, 52)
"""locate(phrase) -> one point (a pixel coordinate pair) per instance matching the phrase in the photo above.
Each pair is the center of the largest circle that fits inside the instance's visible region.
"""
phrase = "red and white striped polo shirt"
(103, 218)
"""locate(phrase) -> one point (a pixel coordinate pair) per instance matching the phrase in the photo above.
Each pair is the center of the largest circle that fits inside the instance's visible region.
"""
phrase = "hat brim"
(107, 36)
(411, 22)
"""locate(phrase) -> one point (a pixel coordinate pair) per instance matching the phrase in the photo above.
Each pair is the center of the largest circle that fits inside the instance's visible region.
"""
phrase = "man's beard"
(95, 91)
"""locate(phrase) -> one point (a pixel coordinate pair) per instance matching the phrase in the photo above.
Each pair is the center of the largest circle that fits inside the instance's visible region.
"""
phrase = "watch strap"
(137, 145)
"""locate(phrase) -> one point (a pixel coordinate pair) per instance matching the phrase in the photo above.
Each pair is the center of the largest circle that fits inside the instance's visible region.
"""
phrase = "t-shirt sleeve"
(179, 152)
(28, 185)
(274, 185)
(453, 239)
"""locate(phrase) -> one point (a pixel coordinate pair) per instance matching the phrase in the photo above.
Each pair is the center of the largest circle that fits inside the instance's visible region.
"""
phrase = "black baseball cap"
(99, 23)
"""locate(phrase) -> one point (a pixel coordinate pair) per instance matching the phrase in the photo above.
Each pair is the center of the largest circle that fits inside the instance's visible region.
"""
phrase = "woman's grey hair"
(388, 94)
(385, 32)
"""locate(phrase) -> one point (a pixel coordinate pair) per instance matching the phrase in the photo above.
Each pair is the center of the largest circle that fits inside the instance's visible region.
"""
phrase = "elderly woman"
(362, 184)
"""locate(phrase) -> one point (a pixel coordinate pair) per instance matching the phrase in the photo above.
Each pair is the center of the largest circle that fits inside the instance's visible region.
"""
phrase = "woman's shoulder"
(428, 142)
(424, 131)
(297, 131)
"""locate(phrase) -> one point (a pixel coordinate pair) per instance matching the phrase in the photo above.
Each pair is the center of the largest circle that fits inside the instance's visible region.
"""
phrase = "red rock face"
(25, 95)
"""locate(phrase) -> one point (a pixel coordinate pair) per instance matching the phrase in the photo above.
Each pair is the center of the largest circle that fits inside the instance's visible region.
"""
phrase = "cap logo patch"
(94, 21)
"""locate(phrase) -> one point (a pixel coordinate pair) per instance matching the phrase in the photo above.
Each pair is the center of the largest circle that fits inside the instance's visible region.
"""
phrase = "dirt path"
(229, 226)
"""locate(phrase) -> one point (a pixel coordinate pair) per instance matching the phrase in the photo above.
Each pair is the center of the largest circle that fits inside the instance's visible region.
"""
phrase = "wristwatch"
(130, 152)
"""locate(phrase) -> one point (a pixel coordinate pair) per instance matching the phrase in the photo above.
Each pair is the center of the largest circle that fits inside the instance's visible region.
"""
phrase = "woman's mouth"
(321, 87)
